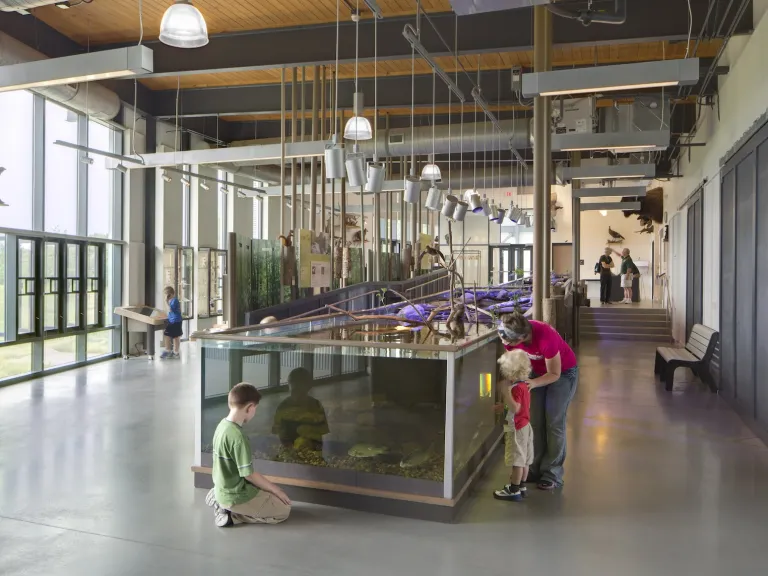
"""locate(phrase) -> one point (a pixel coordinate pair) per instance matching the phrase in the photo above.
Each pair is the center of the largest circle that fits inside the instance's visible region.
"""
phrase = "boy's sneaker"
(166, 355)
(174, 356)
(523, 491)
(210, 498)
(222, 518)
(508, 493)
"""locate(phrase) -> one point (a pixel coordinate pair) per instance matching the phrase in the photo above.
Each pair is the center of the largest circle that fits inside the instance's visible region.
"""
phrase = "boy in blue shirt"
(172, 333)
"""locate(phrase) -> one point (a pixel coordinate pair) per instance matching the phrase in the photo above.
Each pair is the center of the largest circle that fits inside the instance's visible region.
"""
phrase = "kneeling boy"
(240, 495)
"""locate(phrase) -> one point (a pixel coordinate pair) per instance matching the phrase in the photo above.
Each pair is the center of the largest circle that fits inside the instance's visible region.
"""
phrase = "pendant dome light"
(376, 169)
(334, 150)
(358, 127)
(412, 185)
(432, 171)
(183, 26)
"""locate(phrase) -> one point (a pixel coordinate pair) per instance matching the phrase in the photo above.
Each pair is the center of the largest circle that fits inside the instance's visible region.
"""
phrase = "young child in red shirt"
(515, 368)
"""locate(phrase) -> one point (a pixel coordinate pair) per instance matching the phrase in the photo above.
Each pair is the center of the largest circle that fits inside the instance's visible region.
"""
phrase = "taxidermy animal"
(432, 251)
(615, 235)
(651, 206)
(646, 229)
(286, 241)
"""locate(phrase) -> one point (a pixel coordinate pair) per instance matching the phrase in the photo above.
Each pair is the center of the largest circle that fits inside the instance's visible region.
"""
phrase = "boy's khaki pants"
(265, 508)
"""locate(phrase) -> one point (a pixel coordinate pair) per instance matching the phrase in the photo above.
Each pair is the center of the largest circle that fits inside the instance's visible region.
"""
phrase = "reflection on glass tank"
(369, 404)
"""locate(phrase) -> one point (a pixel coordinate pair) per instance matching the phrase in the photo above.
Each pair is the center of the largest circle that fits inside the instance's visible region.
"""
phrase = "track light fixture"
(433, 199)
(166, 178)
(186, 181)
(204, 185)
(224, 189)
(85, 159)
(122, 169)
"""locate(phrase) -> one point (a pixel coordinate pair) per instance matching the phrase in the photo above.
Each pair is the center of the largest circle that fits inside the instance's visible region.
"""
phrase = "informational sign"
(320, 273)
(314, 260)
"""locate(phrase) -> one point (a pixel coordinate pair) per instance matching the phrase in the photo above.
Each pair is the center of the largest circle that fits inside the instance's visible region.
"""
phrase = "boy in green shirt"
(240, 495)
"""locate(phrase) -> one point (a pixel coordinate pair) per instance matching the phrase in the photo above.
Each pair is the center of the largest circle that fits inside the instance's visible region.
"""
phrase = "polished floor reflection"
(94, 479)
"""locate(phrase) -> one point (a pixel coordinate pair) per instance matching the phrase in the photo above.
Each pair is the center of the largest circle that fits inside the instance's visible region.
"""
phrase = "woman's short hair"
(515, 323)
(515, 365)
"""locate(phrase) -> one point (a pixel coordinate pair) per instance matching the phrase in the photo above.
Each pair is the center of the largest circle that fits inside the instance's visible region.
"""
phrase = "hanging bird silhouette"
(615, 238)
(431, 251)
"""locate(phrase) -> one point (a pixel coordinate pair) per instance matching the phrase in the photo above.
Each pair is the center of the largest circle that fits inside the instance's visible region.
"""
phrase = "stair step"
(623, 329)
(601, 321)
(623, 311)
(587, 335)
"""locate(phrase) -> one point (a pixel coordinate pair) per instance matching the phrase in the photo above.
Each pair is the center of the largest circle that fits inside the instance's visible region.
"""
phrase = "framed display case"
(212, 268)
(178, 271)
(369, 415)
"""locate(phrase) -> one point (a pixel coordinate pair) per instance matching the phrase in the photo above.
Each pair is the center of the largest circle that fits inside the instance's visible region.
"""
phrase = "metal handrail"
(669, 305)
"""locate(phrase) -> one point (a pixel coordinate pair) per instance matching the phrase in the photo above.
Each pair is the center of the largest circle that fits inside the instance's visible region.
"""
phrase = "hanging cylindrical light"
(358, 127)
(376, 173)
(474, 200)
(412, 189)
(356, 169)
(461, 211)
(486, 207)
(183, 26)
(493, 214)
(500, 216)
(434, 199)
(449, 206)
(334, 159)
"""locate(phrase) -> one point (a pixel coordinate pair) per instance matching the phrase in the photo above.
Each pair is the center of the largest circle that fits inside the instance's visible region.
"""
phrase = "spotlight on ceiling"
(185, 181)
(204, 185)
(122, 169)
(224, 189)
(166, 178)
(85, 159)
(183, 26)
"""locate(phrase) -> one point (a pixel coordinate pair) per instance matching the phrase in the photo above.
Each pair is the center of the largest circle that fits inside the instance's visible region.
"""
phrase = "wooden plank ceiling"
(113, 21)
(562, 57)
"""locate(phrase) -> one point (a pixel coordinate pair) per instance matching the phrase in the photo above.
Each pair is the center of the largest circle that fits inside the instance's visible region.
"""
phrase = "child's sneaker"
(222, 518)
(166, 355)
(174, 356)
(523, 491)
(509, 492)
(210, 498)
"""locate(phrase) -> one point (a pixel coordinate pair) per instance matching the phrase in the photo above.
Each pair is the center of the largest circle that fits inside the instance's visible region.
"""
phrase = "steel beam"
(393, 92)
(619, 191)
(592, 206)
(506, 30)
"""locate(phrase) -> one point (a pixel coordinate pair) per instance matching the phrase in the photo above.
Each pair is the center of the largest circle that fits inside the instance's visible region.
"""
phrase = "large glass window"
(51, 286)
(16, 158)
(223, 191)
(101, 184)
(61, 166)
(25, 268)
(73, 285)
(2, 288)
(258, 204)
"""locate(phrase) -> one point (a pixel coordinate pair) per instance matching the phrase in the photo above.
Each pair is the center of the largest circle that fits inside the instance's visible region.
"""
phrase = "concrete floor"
(94, 479)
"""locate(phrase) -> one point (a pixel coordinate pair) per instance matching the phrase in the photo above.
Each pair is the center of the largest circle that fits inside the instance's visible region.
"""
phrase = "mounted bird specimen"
(615, 238)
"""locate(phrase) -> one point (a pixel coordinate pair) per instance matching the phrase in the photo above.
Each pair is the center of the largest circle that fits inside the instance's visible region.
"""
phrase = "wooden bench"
(696, 355)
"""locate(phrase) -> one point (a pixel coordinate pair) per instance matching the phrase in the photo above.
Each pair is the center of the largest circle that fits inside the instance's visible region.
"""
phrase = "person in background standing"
(173, 331)
(606, 276)
(627, 271)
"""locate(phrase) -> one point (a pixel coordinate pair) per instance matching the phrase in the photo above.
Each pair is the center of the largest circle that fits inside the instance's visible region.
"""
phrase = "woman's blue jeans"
(549, 405)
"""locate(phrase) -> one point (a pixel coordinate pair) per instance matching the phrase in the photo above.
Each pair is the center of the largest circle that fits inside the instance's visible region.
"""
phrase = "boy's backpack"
(597, 268)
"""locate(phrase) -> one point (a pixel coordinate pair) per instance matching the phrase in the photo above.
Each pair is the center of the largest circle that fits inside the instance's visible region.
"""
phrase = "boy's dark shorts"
(173, 330)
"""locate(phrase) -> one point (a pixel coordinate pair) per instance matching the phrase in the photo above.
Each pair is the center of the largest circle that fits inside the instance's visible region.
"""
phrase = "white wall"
(594, 236)
(743, 98)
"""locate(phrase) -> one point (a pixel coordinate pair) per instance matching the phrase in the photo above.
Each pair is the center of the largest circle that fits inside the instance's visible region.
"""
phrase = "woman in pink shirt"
(552, 384)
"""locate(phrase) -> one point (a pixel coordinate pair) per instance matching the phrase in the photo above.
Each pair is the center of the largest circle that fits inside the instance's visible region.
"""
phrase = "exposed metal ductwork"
(23, 6)
(464, 7)
(91, 98)
(588, 16)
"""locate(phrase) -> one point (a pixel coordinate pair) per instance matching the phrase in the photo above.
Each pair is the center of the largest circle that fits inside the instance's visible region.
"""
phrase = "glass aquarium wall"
(346, 417)
(358, 403)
